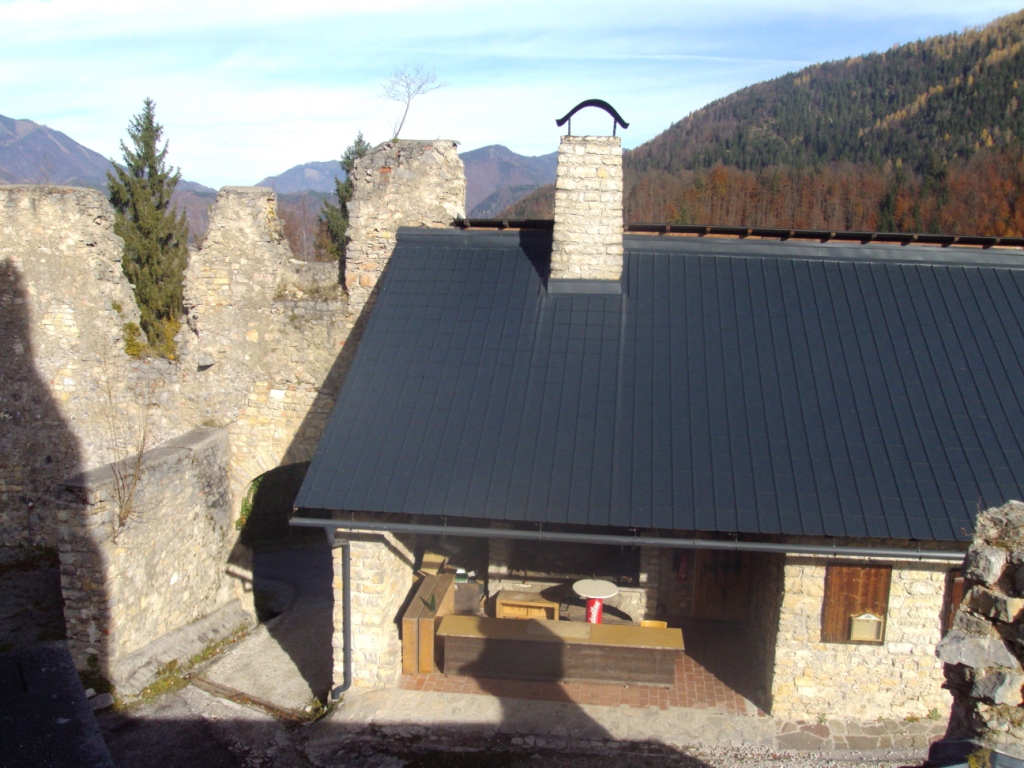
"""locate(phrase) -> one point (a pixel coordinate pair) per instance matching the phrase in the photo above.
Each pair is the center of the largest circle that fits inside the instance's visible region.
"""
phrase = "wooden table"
(538, 649)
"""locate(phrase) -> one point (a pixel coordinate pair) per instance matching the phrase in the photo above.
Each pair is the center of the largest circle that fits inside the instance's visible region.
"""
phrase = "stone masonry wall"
(381, 582)
(900, 678)
(259, 352)
(984, 649)
(133, 572)
(63, 302)
(259, 355)
(401, 183)
(587, 239)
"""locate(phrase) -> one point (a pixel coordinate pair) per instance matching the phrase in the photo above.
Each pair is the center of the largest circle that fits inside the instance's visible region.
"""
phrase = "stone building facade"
(899, 678)
(263, 352)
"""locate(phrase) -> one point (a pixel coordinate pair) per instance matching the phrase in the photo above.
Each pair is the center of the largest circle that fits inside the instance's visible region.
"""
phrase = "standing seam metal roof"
(754, 387)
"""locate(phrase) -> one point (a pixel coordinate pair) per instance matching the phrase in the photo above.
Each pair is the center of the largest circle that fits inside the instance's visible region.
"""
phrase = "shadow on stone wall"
(37, 446)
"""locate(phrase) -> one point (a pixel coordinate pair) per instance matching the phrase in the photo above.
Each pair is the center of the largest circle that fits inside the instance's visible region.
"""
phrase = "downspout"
(346, 607)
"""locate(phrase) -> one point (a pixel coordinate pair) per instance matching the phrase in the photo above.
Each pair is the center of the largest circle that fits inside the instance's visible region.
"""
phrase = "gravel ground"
(378, 752)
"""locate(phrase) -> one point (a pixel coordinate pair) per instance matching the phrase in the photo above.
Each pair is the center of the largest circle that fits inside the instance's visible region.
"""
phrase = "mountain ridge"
(912, 139)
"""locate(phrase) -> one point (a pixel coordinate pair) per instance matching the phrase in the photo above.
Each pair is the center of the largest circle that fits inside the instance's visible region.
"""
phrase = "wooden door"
(722, 585)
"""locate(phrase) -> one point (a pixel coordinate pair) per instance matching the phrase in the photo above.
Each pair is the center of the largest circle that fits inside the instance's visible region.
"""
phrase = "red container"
(595, 609)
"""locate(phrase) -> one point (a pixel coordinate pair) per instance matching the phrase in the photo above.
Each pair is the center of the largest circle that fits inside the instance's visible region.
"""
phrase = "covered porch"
(717, 671)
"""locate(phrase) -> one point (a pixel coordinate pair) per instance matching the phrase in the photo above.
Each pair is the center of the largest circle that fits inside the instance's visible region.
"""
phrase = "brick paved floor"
(718, 680)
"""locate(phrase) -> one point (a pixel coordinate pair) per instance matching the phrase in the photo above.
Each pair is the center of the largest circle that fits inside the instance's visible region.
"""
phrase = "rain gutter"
(815, 550)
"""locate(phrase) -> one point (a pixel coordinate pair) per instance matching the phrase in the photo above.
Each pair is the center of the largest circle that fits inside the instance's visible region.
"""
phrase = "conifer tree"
(155, 234)
(334, 218)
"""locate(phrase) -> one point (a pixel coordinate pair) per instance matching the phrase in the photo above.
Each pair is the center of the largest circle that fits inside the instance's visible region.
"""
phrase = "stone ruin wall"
(263, 333)
(63, 302)
(401, 183)
(984, 650)
(262, 353)
(899, 679)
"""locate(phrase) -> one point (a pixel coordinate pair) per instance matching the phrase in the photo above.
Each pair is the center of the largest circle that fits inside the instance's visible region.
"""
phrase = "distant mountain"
(924, 103)
(925, 137)
(308, 177)
(494, 168)
(34, 154)
(31, 153)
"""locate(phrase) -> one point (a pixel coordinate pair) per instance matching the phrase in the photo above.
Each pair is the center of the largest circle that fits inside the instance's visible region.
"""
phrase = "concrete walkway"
(410, 713)
(285, 663)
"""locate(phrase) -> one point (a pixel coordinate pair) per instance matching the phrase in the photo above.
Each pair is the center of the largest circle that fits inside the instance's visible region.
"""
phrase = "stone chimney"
(587, 240)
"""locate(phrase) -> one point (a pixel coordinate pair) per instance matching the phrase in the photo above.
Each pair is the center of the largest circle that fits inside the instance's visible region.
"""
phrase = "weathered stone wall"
(136, 566)
(401, 183)
(260, 354)
(63, 303)
(900, 678)
(984, 648)
(381, 583)
(587, 239)
(264, 333)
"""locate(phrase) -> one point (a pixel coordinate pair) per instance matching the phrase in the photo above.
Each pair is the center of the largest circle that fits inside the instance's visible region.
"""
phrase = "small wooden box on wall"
(434, 598)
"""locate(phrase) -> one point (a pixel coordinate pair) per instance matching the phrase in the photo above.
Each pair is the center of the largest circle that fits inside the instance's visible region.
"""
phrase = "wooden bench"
(434, 598)
(538, 649)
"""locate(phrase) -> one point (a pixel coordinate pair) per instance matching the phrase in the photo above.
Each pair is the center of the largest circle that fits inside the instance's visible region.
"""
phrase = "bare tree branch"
(404, 85)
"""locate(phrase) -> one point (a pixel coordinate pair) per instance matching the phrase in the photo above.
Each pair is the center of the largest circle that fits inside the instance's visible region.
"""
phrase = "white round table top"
(595, 588)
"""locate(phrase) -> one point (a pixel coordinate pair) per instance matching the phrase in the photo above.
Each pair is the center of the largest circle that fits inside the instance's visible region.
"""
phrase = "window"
(856, 603)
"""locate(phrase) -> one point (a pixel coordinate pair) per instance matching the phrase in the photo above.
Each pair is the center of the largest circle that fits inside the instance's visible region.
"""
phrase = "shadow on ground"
(206, 731)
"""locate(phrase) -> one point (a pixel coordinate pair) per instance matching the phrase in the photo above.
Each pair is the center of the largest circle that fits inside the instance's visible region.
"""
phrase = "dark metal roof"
(741, 386)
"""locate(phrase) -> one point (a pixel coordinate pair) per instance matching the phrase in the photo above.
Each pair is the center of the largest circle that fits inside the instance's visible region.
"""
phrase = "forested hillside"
(924, 137)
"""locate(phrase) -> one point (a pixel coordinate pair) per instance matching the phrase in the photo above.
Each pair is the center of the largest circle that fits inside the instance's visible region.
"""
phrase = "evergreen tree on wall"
(155, 234)
(334, 218)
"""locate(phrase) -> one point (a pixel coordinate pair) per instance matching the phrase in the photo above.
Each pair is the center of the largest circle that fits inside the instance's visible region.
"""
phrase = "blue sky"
(248, 89)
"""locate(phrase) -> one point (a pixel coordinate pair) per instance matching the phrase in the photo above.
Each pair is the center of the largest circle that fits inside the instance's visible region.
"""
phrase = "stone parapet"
(401, 183)
(587, 239)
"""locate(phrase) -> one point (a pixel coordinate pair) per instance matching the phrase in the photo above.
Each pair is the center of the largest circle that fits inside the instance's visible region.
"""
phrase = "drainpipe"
(346, 598)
